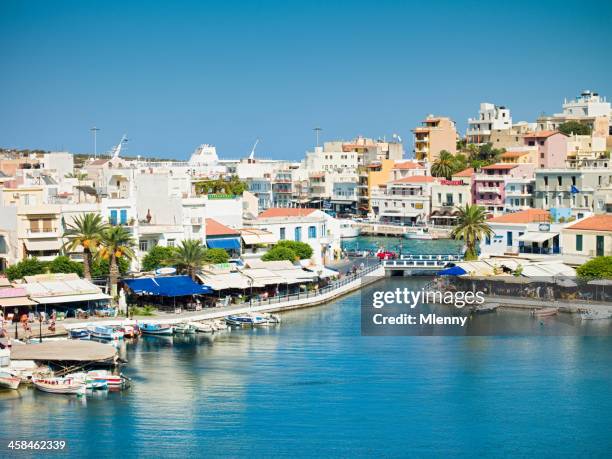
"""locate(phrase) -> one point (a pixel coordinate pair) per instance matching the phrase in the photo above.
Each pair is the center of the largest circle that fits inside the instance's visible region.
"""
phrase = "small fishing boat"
(246, 320)
(91, 382)
(273, 319)
(128, 331)
(546, 312)
(106, 333)
(8, 381)
(348, 229)
(80, 333)
(156, 329)
(186, 329)
(60, 385)
(418, 234)
(202, 327)
(595, 314)
(113, 381)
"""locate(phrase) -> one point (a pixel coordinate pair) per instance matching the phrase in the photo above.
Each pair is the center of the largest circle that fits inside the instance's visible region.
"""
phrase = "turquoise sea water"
(314, 387)
(399, 244)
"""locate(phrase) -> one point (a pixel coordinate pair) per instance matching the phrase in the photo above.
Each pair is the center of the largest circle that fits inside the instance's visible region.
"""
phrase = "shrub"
(64, 264)
(301, 249)
(278, 253)
(597, 268)
(216, 256)
(157, 257)
(27, 267)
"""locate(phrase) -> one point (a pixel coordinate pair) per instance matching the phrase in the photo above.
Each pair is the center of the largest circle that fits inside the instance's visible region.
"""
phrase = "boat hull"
(9, 382)
(160, 331)
(58, 386)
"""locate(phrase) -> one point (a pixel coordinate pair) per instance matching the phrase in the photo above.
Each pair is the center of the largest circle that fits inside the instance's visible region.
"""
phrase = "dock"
(75, 351)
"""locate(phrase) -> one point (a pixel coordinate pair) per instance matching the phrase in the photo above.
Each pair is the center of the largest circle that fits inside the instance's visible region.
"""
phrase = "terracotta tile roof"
(594, 223)
(465, 172)
(276, 212)
(542, 134)
(498, 166)
(407, 165)
(514, 154)
(214, 228)
(417, 179)
(524, 216)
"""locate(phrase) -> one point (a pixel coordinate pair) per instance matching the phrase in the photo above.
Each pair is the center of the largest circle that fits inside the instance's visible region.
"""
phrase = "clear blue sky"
(174, 74)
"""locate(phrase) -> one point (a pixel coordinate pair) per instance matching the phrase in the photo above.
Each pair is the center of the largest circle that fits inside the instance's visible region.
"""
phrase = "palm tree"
(80, 176)
(443, 165)
(116, 243)
(189, 257)
(471, 227)
(85, 231)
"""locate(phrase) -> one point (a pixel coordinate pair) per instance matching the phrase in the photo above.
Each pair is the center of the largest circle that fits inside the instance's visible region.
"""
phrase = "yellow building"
(589, 237)
(371, 177)
(435, 134)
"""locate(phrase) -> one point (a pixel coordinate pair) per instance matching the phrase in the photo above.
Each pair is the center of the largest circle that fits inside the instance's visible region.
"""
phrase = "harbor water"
(314, 386)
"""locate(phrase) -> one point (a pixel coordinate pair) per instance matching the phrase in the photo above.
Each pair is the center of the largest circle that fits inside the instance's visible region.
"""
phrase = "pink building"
(552, 148)
(489, 184)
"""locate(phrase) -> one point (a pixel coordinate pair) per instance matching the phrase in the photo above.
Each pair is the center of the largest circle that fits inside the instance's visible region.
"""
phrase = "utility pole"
(317, 131)
(95, 136)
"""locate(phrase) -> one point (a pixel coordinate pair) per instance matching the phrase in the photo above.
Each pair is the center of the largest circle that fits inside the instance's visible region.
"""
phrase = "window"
(542, 155)
(545, 180)
(123, 216)
(144, 246)
(488, 240)
(578, 242)
(298, 234)
(171, 242)
(559, 180)
(460, 198)
(282, 235)
(509, 238)
(312, 232)
(574, 180)
(113, 217)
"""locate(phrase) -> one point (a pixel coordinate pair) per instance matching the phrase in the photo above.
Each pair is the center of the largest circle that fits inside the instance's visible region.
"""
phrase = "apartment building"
(551, 147)
(490, 118)
(446, 196)
(436, 133)
(405, 201)
(489, 184)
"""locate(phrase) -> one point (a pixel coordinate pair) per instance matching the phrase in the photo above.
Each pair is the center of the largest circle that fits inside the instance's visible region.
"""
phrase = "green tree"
(27, 267)
(443, 165)
(574, 127)
(459, 163)
(301, 249)
(101, 269)
(216, 256)
(471, 227)
(233, 186)
(64, 264)
(278, 253)
(597, 268)
(157, 257)
(189, 257)
(86, 232)
(116, 243)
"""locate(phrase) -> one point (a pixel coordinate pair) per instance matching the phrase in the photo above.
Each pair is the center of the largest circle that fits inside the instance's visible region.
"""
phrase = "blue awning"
(227, 243)
(167, 286)
(454, 271)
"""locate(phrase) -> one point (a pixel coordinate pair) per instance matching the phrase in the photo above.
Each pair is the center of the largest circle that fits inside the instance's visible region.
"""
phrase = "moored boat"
(202, 327)
(418, 234)
(185, 328)
(8, 381)
(60, 385)
(91, 382)
(128, 331)
(80, 333)
(349, 229)
(546, 312)
(156, 329)
(246, 320)
(106, 333)
(113, 381)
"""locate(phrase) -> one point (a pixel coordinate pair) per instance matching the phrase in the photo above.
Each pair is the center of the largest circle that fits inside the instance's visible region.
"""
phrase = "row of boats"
(113, 333)
(75, 383)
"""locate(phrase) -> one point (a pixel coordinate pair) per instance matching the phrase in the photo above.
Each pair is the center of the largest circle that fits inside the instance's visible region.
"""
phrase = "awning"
(167, 286)
(454, 271)
(71, 298)
(324, 273)
(261, 277)
(225, 281)
(537, 236)
(43, 245)
(264, 238)
(18, 301)
(228, 243)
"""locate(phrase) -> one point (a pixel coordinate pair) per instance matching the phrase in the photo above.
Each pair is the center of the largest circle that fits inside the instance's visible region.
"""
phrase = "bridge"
(409, 264)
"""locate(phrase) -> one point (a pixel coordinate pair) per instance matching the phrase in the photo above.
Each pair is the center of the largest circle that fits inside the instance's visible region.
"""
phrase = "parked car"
(386, 255)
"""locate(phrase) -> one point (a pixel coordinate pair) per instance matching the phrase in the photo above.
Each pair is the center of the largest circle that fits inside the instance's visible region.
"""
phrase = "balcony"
(42, 233)
(488, 189)
(196, 220)
(489, 202)
(518, 193)
(540, 250)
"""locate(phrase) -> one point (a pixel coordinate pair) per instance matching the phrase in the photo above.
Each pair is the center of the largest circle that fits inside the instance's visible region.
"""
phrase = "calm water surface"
(314, 387)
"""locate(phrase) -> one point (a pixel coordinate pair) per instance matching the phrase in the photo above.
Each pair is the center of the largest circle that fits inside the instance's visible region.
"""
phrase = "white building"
(405, 201)
(490, 117)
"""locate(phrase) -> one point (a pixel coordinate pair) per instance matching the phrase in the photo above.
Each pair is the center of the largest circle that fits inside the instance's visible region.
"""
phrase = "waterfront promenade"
(338, 288)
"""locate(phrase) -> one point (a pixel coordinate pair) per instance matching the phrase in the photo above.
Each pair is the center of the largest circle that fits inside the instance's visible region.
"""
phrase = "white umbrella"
(600, 282)
(565, 282)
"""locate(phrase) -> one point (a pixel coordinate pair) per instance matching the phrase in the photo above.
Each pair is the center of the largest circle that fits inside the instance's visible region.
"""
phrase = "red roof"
(407, 165)
(465, 172)
(276, 212)
(417, 179)
(594, 223)
(524, 216)
(499, 166)
(542, 134)
(214, 228)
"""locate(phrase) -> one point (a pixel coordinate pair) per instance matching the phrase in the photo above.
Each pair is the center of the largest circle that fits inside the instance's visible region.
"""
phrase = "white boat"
(60, 385)
(418, 234)
(349, 229)
(113, 381)
(186, 329)
(595, 314)
(246, 320)
(273, 319)
(156, 329)
(8, 381)
(91, 382)
(202, 327)
(106, 333)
